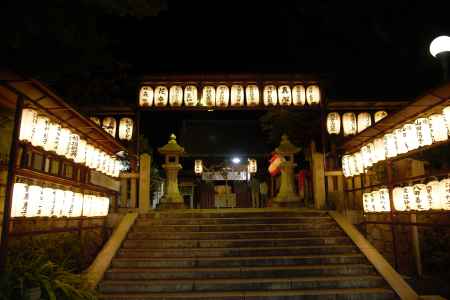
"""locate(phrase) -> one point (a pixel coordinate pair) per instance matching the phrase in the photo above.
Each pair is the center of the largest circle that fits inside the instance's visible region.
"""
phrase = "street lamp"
(440, 48)
(236, 160)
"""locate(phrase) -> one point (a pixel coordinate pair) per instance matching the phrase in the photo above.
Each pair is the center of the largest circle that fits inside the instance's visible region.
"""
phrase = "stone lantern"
(286, 196)
(172, 197)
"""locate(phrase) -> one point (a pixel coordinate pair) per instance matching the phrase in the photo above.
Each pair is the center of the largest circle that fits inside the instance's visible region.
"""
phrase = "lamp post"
(440, 48)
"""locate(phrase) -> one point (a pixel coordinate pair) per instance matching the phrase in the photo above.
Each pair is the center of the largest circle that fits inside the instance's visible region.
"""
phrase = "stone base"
(290, 201)
(173, 205)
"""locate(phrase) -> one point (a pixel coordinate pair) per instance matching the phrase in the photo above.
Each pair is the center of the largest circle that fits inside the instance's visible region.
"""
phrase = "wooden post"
(144, 183)
(123, 192)
(417, 169)
(318, 179)
(133, 193)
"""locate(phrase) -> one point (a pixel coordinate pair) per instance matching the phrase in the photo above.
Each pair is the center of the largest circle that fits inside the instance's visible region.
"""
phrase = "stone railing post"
(144, 183)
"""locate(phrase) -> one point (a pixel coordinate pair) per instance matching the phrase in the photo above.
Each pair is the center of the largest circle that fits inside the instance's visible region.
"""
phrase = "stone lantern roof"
(286, 147)
(172, 147)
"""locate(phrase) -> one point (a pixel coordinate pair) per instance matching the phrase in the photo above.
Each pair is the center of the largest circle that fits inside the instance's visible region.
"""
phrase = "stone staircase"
(240, 254)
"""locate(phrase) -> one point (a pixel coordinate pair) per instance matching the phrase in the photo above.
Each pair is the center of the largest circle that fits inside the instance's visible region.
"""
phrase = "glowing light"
(237, 95)
(126, 129)
(190, 95)
(284, 95)
(198, 166)
(28, 124)
(208, 96)
(349, 123)
(438, 127)
(364, 121)
(410, 133)
(20, 200)
(235, 160)
(40, 136)
(333, 123)
(439, 45)
(176, 95)
(390, 147)
(313, 96)
(54, 135)
(109, 125)
(270, 95)
(298, 95)
(161, 95)
(379, 115)
(252, 165)
(252, 95)
(146, 96)
(423, 132)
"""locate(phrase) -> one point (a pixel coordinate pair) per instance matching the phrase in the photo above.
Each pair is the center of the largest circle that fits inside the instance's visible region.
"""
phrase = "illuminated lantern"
(100, 160)
(68, 204)
(54, 134)
(35, 201)
(105, 206)
(313, 95)
(95, 158)
(358, 163)
(161, 95)
(73, 146)
(59, 203)
(389, 145)
(284, 95)
(374, 203)
(109, 125)
(28, 124)
(252, 165)
(345, 166)
(434, 193)
(270, 95)
(364, 121)
(421, 197)
(77, 205)
(87, 201)
(423, 132)
(146, 96)
(352, 165)
(117, 168)
(378, 144)
(190, 95)
(366, 202)
(371, 150)
(64, 139)
(126, 129)
(410, 134)
(446, 114)
(384, 200)
(399, 202)
(252, 95)
(298, 95)
(400, 141)
(445, 190)
(438, 127)
(89, 155)
(237, 95)
(48, 195)
(198, 166)
(379, 115)
(20, 200)
(40, 136)
(349, 123)
(95, 120)
(208, 96)
(222, 95)
(111, 164)
(367, 155)
(81, 152)
(409, 198)
(176, 95)
(333, 123)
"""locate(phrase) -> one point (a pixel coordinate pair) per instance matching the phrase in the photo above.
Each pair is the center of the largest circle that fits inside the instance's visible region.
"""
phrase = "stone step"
(240, 243)
(314, 294)
(283, 271)
(240, 284)
(248, 220)
(247, 261)
(247, 251)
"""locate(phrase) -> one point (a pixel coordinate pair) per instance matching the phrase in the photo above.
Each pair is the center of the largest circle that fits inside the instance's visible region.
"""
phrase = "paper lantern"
(35, 201)
(399, 202)
(20, 200)
(252, 95)
(59, 203)
(87, 201)
(81, 152)
(284, 95)
(117, 168)
(409, 198)
(345, 166)
(379, 115)
(89, 155)
(423, 132)
(367, 155)
(111, 164)
(358, 163)
(364, 121)
(380, 153)
(434, 193)
(421, 197)
(384, 200)
(73, 146)
(95, 120)
(95, 158)
(198, 166)
(100, 160)
(270, 95)
(109, 125)
(410, 134)
(352, 165)
(438, 127)
(67, 208)
(176, 95)
(126, 129)
(371, 150)
(146, 96)
(390, 148)
(28, 124)
(48, 194)
(400, 141)
(64, 139)
(349, 123)
(252, 165)
(313, 95)
(77, 205)
(190, 95)
(298, 95)
(208, 96)
(446, 114)
(333, 123)
(40, 136)
(105, 206)
(445, 190)
(161, 95)
(237, 95)
(54, 134)
(222, 95)
(374, 203)
(367, 199)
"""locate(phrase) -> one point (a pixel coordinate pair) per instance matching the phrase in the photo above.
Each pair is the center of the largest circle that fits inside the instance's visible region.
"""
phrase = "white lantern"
(59, 203)
(446, 114)
(358, 163)
(126, 129)
(434, 193)
(367, 155)
(146, 96)
(389, 145)
(298, 95)
(54, 135)
(252, 95)
(176, 95)
(161, 95)
(64, 139)
(68, 204)
(367, 199)
(400, 141)
(352, 165)
(208, 96)
(421, 197)
(409, 198)
(77, 205)
(349, 123)
(95, 158)
(375, 201)
(237, 95)
(28, 124)
(333, 123)
(40, 136)
(87, 201)
(105, 206)
(313, 95)
(371, 150)
(109, 125)
(81, 152)
(35, 201)
(222, 95)
(48, 195)
(190, 95)
(252, 165)
(438, 126)
(89, 155)
(384, 204)
(410, 134)
(95, 120)
(20, 200)
(379, 115)
(423, 132)
(73, 146)
(284, 95)
(198, 166)
(445, 190)
(117, 168)
(100, 161)
(270, 95)
(364, 121)
(378, 144)
(345, 166)
(399, 201)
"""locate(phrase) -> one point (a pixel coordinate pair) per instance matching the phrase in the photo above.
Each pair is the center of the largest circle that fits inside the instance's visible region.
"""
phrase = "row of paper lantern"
(422, 132)
(51, 136)
(435, 195)
(252, 166)
(37, 201)
(109, 124)
(352, 123)
(223, 96)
